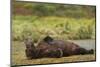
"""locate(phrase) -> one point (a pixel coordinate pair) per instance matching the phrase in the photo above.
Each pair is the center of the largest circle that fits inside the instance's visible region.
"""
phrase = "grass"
(57, 27)
(19, 58)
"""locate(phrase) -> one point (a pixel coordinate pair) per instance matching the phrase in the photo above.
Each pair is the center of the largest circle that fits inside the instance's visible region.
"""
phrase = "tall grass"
(57, 27)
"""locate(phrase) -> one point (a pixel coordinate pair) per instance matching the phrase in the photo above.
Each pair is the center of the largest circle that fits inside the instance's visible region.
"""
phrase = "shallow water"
(88, 44)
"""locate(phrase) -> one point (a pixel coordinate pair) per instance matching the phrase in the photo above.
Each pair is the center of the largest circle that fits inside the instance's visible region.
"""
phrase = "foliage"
(57, 27)
(44, 9)
(58, 20)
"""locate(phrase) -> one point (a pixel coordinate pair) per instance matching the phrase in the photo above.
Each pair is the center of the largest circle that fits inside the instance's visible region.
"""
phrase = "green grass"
(57, 27)
(19, 58)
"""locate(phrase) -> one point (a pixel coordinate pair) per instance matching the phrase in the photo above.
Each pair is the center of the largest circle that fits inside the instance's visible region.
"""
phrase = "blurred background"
(58, 20)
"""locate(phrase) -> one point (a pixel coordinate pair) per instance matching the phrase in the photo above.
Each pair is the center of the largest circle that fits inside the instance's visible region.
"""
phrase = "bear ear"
(48, 38)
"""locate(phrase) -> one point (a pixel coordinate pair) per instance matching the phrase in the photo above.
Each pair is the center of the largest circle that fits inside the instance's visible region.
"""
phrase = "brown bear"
(49, 47)
(68, 48)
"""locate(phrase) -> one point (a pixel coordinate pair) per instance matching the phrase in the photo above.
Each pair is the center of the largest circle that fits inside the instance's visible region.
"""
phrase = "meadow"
(58, 27)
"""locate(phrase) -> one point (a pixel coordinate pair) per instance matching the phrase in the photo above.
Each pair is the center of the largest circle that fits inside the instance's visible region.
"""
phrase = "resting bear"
(68, 48)
(49, 47)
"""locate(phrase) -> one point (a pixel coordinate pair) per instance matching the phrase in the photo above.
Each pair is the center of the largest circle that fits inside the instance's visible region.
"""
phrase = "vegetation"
(57, 27)
(59, 21)
(44, 9)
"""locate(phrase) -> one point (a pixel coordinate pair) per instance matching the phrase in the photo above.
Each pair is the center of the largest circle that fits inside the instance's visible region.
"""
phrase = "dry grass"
(18, 57)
